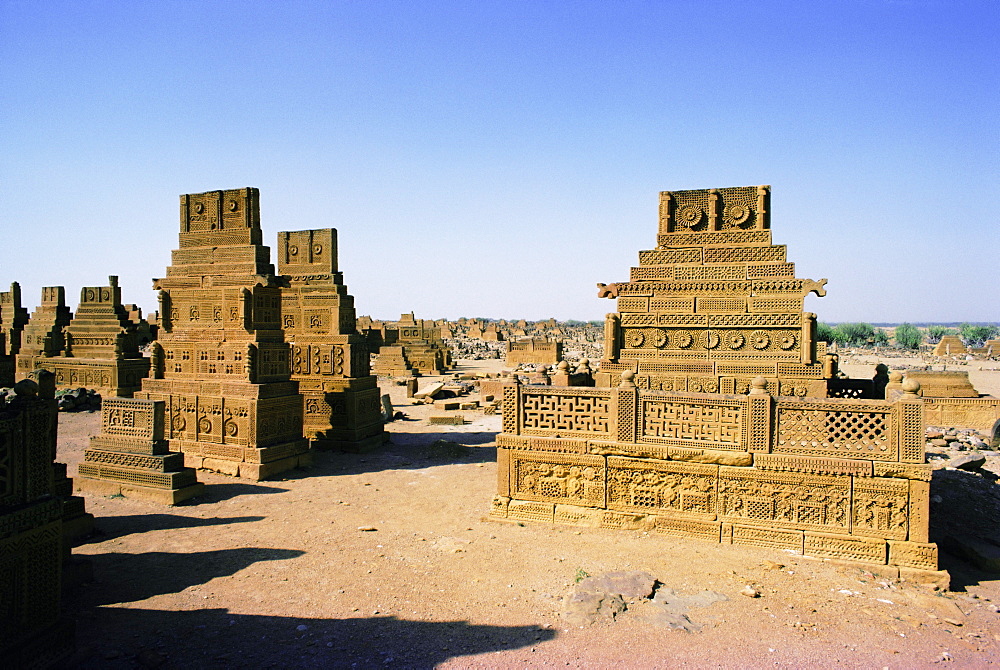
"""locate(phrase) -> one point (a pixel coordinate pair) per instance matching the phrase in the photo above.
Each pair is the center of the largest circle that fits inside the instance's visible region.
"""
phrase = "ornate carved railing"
(831, 477)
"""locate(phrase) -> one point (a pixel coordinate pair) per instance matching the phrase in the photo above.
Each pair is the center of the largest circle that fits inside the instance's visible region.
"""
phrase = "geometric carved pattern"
(717, 424)
(545, 411)
(861, 432)
(821, 476)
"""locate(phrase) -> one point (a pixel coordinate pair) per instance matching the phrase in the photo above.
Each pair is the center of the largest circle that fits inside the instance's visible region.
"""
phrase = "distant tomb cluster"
(714, 412)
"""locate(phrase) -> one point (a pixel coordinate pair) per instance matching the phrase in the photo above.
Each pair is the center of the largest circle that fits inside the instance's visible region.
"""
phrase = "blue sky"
(500, 158)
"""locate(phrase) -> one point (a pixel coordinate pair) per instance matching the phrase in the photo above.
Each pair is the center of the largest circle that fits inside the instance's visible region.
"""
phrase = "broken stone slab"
(446, 404)
(429, 391)
(628, 584)
(970, 462)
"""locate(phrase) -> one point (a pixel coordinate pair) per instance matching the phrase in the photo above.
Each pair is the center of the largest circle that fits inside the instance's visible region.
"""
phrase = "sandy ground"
(387, 560)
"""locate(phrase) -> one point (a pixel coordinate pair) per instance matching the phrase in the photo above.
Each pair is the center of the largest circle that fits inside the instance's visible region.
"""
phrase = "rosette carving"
(658, 338)
(683, 339)
(709, 339)
(634, 338)
(689, 216)
(736, 214)
(735, 340)
(759, 339)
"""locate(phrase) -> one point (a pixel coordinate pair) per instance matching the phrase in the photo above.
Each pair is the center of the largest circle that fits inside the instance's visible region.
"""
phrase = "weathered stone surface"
(967, 462)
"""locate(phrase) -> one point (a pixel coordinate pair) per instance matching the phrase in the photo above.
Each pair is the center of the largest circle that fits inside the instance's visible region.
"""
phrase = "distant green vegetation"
(824, 332)
(852, 334)
(935, 333)
(908, 336)
(976, 336)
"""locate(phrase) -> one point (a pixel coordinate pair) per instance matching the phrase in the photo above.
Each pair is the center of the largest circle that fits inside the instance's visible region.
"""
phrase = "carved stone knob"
(628, 380)
(758, 386)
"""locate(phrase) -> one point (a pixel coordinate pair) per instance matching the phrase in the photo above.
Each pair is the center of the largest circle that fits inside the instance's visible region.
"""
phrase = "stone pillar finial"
(758, 386)
(911, 388)
(628, 380)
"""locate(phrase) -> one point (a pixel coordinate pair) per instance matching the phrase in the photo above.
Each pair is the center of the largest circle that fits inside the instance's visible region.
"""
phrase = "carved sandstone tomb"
(330, 359)
(43, 336)
(100, 350)
(221, 363)
(769, 461)
(537, 350)
(411, 346)
(34, 633)
(131, 457)
(13, 318)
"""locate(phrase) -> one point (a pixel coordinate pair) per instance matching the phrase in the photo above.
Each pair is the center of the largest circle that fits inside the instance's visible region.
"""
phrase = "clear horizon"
(501, 158)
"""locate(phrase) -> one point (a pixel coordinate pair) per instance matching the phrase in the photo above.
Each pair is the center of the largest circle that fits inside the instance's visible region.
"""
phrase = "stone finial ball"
(584, 362)
(758, 385)
(911, 385)
(881, 368)
(628, 376)
(895, 376)
(26, 387)
(563, 366)
(539, 369)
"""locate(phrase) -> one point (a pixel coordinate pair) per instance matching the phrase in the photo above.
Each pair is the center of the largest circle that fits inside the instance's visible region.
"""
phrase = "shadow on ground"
(965, 523)
(126, 578)
(406, 451)
(129, 638)
(111, 527)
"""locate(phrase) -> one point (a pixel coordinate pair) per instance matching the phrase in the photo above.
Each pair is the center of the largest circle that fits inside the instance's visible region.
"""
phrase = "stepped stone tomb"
(131, 457)
(330, 359)
(221, 364)
(950, 345)
(411, 346)
(34, 633)
(99, 348)
(718, 415)
(43, 336)
(13, 318)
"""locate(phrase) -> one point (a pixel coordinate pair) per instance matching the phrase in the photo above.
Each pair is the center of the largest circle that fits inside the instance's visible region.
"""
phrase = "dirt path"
(280, 574)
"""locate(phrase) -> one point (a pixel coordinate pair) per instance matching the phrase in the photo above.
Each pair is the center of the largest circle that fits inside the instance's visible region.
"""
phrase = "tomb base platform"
(245, 462)
(104, 487)
(343, 414)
